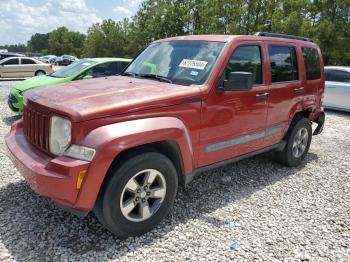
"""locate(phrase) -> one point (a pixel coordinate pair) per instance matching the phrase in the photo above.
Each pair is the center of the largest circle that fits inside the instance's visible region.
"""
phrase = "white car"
(337, 91)
(46, 59)
(23, 67)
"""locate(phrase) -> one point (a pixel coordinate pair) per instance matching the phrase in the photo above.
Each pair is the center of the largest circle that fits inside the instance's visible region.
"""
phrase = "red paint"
(119, 113)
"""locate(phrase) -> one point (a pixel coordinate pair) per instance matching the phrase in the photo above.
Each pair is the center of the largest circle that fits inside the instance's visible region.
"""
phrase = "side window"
(246, 59)
(328, 74)
(337, 76)
(25, 61)
(312, 63)
(122, 66)
(101, 70)
(13, 61)
(283, 63)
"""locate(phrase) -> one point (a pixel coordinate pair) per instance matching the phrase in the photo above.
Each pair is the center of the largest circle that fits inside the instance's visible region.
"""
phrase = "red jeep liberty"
(122, 145)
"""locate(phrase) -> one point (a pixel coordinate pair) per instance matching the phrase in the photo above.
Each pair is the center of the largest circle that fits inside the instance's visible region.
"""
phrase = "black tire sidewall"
(40, 71)
(290, 158)
(113, 218)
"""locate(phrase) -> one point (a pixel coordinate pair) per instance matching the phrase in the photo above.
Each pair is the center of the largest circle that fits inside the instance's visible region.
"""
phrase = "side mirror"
(87, 77)
(238, 81)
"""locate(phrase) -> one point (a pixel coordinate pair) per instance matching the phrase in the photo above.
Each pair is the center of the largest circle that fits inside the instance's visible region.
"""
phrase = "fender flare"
(111, 140)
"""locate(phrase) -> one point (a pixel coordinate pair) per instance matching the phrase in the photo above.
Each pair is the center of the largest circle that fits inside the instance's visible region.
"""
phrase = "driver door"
(234, 122)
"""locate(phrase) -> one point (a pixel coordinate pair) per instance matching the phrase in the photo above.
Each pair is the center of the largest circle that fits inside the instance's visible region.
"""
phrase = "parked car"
(337, 92)
(121, 146)
(4, 55)
(20, 67)
(47, 59)
(65, 60)
(82, 69)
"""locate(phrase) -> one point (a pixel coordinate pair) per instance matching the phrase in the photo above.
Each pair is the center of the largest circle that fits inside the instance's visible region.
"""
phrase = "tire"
(112, 205)
(295, 150)
(40, 73)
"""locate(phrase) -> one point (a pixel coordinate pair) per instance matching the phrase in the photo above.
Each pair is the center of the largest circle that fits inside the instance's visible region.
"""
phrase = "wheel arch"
(116, 142)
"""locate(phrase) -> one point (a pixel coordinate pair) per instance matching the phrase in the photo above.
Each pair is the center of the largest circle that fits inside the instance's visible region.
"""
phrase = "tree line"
(325, 21)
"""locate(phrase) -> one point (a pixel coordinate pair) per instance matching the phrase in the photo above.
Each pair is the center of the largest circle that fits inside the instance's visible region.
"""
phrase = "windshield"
(73, 68)
(178, 62)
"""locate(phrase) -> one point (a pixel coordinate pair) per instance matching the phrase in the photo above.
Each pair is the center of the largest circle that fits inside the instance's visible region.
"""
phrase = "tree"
(38, 42)
(106, 39)
(62, 41)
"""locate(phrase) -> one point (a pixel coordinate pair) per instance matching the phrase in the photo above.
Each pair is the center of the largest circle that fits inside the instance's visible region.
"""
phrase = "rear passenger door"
(286, 89)
(28, 67)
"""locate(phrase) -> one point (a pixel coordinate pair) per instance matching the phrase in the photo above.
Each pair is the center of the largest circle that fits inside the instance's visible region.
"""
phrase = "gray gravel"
(274, 213)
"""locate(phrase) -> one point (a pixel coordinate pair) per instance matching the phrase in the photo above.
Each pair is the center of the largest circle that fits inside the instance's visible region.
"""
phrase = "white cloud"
(18, 20)
(127, 8)
(122, 11)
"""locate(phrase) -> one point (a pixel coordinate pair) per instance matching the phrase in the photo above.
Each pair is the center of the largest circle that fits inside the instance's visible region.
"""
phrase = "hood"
(39, 81)
(101, 97)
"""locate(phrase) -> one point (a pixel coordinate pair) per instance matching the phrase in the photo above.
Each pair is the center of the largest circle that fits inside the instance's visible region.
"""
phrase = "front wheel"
(137, 195)
(298, 143)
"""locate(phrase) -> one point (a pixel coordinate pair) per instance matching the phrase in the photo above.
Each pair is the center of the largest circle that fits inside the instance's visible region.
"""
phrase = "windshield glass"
(178, 62)
(73, 68)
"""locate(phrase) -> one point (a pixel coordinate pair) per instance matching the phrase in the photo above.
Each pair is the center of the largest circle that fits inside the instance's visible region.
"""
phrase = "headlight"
(60, 135)
(80, 152)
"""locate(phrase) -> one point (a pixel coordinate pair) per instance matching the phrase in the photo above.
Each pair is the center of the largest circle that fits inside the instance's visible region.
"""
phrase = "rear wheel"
(298, 143)
(40, 73)
(137, 195)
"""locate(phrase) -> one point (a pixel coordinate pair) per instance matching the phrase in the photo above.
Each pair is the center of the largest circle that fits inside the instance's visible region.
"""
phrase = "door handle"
(299, 90)
(331, 87)
(262, 96)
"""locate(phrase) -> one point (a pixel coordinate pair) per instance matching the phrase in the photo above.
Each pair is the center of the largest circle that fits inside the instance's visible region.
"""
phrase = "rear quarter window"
(312, 63)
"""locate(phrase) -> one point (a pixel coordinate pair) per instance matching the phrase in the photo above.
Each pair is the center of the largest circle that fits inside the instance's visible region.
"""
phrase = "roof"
(346, 68)
(109, 59)
(22, 57)
(11, 54)
(229, 38)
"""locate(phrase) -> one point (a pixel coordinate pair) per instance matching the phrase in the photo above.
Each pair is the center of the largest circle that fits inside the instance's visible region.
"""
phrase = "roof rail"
(283, 36)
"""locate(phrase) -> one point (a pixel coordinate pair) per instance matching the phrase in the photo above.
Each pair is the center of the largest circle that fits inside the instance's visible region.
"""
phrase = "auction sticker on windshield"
(194, 64)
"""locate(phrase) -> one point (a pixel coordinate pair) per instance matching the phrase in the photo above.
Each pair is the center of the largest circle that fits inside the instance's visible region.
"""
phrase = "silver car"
(337, 91)
(19, 67)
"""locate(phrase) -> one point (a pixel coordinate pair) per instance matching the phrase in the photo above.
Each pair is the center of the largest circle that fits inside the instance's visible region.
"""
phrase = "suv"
(120, 146)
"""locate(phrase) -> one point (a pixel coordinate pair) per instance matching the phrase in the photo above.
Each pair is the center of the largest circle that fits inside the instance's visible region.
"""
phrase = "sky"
(19, 19)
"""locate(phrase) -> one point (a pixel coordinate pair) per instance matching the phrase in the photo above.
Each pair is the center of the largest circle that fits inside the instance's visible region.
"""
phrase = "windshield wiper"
(160, 78)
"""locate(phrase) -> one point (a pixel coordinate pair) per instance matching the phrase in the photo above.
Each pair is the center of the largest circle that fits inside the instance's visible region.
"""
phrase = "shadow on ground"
(32, 228)
(9, 120)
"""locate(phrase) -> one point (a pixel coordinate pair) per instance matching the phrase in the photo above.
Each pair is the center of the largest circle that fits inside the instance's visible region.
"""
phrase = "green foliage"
(38, 42)
(14, 48)
(62, 41)
(326, 21)
(106, 39)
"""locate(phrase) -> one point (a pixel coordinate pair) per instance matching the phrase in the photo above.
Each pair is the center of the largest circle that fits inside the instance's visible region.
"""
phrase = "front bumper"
(12, 101)
(54, 178)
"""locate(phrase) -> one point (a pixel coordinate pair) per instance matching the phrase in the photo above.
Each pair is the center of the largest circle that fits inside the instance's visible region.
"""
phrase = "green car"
(82, 69)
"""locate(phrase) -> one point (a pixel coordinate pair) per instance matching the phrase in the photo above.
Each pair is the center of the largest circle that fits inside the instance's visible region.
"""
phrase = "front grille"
(36, 128)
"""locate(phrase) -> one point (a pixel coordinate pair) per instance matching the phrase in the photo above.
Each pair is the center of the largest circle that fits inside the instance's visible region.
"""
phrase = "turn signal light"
(80, 179)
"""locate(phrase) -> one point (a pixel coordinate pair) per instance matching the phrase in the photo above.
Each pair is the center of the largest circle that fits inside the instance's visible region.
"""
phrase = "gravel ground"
(270, 212)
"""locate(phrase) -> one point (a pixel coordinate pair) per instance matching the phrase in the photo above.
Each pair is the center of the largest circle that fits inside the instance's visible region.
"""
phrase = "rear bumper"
(54, 178)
